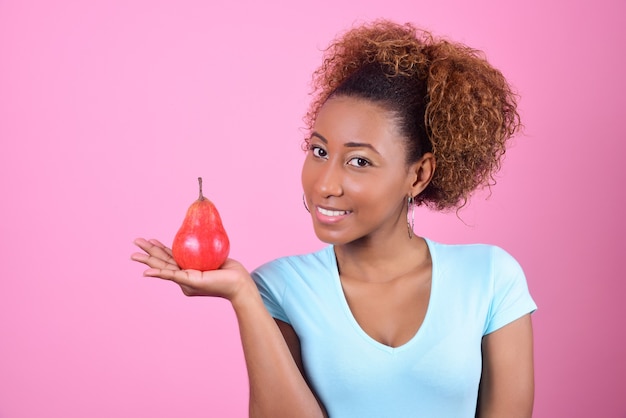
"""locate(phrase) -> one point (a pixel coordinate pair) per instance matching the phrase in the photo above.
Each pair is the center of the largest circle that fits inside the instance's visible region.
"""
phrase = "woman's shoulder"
(298, 264)
(490, 256)
(486, 272)
(474, 248)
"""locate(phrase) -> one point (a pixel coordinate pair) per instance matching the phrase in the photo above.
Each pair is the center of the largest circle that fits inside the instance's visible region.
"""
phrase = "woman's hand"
(226, 282)
(277, 387)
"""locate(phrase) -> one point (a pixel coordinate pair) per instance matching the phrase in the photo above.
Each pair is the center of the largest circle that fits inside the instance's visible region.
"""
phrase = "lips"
(328, 216)
(332, 212)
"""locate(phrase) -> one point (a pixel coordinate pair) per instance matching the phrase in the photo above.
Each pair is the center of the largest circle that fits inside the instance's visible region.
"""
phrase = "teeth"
(326, 212)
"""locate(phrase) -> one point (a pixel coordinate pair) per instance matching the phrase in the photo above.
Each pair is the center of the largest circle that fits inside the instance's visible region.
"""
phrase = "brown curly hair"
(446, 97)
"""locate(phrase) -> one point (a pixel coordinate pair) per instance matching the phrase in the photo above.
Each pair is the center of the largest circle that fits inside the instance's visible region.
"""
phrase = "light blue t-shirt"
(475, 290)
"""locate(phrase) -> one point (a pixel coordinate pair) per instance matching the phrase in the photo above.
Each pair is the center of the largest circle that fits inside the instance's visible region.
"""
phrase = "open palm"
(223, 282)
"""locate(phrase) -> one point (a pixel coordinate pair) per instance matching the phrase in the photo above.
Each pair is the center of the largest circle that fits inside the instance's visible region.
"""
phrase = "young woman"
(382, 322)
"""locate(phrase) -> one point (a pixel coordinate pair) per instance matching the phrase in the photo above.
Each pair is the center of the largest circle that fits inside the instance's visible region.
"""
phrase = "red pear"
(201, 242)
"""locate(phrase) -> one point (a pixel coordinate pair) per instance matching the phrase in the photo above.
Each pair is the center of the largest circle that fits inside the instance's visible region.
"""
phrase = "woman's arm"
(293, 342)
(277, 387)
(507, 384)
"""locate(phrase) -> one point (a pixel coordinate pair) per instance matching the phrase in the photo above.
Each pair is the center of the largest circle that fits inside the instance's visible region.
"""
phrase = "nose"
(329, 180)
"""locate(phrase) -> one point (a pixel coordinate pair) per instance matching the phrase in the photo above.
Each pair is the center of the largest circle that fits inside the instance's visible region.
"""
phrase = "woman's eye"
(359, 162)
(318, 152)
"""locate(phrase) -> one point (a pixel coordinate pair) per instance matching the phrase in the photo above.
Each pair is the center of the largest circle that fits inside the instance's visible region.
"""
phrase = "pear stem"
(200, 197)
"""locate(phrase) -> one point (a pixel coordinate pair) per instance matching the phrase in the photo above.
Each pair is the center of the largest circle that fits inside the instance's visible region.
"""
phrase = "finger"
(160, 264)
(156, 242)
(163, 246)
(165, 250)
(157, 250)
(141, 243)
(180, 277)
(187, 291)
(141, 257)
(153, 262)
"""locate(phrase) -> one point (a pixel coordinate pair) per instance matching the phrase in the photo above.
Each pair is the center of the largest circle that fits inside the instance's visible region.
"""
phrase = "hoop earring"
(410, 215)
(304, 203)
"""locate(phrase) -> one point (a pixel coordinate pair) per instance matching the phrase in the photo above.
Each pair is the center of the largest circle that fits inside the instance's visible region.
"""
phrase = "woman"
(381, 322)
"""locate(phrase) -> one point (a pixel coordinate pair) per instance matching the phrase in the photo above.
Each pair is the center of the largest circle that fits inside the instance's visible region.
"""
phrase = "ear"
(421, 173)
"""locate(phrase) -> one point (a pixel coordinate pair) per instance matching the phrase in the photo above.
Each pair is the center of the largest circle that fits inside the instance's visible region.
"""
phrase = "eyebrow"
(347, 144)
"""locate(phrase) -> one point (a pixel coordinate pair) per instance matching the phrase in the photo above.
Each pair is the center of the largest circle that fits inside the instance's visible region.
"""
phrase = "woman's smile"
(330, 216)
(355, 176)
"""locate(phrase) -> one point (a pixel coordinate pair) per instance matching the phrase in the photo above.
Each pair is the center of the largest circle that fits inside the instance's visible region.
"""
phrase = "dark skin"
(277, 386)
(356, 182)
(386, 275)
(356, 170)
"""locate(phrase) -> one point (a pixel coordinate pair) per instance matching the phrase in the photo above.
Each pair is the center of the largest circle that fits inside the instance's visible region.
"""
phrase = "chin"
(334, 237)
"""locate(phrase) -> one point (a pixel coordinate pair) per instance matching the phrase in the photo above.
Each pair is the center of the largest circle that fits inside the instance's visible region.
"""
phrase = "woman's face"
(355, 177)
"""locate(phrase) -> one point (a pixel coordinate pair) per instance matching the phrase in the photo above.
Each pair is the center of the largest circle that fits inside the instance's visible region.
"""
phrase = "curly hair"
(446, 97)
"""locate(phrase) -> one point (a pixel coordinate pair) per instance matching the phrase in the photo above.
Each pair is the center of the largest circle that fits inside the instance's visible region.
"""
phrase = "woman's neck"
(372, 262)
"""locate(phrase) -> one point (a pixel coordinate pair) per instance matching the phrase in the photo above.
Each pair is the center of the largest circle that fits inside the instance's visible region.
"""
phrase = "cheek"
(360, 188)
(375, 194)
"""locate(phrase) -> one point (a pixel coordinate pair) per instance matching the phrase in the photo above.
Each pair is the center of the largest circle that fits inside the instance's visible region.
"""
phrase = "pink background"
(109, 110)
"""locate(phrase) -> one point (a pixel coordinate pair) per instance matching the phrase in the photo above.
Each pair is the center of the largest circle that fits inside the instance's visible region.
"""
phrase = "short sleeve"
(511, 298)
(271, 282)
